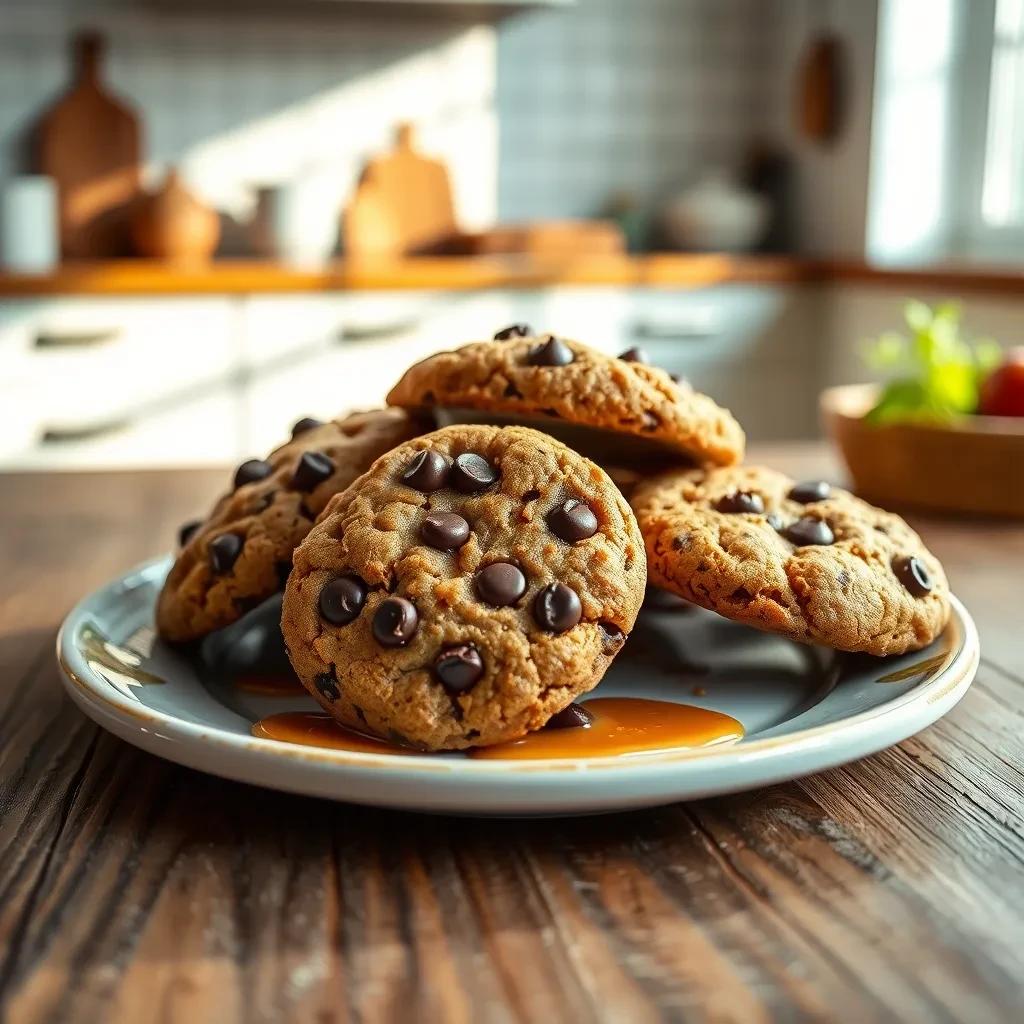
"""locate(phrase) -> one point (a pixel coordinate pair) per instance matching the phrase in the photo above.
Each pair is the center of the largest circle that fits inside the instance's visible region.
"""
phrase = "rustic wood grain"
(132, 890)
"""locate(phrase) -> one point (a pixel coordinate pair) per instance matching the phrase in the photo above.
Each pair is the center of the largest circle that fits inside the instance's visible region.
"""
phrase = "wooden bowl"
(975, 465)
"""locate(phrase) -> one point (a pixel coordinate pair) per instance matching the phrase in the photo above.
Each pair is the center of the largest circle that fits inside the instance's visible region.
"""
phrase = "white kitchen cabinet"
(77, 370)
(168, 381)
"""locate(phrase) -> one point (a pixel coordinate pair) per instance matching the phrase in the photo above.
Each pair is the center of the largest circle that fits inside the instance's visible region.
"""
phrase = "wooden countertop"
(664, 270)
(889, 889)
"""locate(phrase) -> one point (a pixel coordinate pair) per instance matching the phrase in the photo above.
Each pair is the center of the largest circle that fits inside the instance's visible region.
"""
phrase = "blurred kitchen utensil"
(296, 222)
(972, 464)
(819, 92)
(403, 196)
(29, 240)
(171, 224)
(716, 215)
(90, 144)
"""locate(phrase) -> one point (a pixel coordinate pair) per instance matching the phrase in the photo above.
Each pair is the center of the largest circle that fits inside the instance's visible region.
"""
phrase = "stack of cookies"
(459, 587)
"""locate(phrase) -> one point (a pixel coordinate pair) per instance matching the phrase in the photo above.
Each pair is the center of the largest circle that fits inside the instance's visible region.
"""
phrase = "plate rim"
(96, 696)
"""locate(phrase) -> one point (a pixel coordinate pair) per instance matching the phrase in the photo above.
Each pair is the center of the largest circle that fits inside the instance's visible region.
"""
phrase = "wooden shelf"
(461, 273)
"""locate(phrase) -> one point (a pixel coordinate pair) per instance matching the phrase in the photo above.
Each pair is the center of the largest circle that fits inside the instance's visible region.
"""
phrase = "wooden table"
(132, 890)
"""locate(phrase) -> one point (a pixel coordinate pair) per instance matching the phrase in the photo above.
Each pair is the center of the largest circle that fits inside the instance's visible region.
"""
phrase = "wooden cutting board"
(90, 143)
(403, 203)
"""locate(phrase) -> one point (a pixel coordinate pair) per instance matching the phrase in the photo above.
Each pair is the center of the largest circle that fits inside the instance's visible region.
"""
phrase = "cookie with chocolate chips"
(804, 559)
(466, 589)
(613, 409)
(241, 553)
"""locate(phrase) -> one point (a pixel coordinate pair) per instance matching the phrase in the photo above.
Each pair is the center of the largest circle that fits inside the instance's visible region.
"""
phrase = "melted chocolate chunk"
(575, 716)
(513, 331)
(327, 686)
(553, 352)
(810, 490)
(635, 355)
(458, 667)
(312, 470)
(557, 608)
(471, 473)
(808, 531)
(223, 552)
(342, 599)
(395, 622)
(500, 584)
(573, 520)
(612, 638)
(445, 531)
(913, 574)
(427, 472)
(306, 424)
(188, 531)
(251, 471)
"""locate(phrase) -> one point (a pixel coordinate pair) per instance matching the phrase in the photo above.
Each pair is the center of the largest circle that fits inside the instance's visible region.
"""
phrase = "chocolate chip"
(774, 520)
(612, 638)
(342, 599)
(327, 686)
(808, 531)
(426, 472)
(557, 608)
(306, 424)
(395, 622)
(635, 355)
(913, 574)
(223, 552)
(251, 471)
(458, 667)
(471, 473)
(513, 331)
(553, 352)
(312, 470)
(573, 520)
(445, 531)
(511, 391)
(678, 378)
(187, 532)
(500, 584)
(575, 716)
(740, 501)
(810, 490)
(531, 495)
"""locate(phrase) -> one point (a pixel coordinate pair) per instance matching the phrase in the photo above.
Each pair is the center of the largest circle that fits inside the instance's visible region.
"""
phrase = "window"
(1002, 192)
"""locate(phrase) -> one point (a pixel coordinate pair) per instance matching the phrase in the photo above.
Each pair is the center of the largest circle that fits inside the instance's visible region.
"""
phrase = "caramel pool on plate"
(621, 726)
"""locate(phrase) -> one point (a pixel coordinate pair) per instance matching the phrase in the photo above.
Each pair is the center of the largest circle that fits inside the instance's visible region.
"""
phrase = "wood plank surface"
(133, 890)
(466, 273)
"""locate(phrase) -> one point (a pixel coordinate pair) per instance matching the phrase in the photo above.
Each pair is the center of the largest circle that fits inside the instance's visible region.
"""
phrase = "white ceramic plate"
(804, 709)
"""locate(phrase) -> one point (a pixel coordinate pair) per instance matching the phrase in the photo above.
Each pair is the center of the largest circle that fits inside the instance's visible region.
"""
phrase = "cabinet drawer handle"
(76, 339)
(87, 432)
(375, 332)
(649, 330)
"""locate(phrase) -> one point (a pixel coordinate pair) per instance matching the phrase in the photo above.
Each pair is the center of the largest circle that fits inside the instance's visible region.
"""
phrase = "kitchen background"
(798, 168)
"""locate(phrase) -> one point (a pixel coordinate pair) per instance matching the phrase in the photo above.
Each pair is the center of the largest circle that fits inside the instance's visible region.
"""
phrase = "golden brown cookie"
(242, 553)
(611, 409)
(467, 588)
(807, 560)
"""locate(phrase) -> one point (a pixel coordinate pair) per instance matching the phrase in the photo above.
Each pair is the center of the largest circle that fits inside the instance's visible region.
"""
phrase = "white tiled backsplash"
(541, 113)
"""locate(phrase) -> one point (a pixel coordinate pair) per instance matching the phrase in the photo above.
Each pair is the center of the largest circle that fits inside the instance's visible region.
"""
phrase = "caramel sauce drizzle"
(621, 726)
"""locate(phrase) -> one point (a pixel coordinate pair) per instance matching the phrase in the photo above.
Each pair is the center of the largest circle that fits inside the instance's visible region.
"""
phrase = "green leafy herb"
(934, 375)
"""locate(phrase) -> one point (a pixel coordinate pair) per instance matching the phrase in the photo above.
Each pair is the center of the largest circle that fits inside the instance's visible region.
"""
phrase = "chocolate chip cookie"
(807, 560)
(467, 588)
(611, 409)
(242, 553)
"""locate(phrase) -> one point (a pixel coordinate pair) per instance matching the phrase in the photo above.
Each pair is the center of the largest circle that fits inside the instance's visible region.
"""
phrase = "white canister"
(29, 240)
